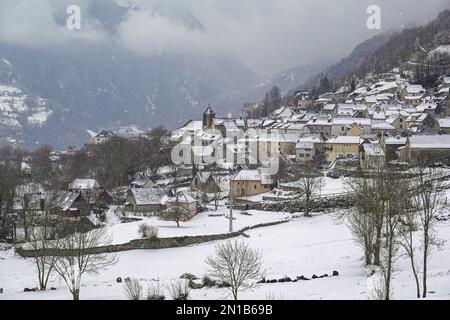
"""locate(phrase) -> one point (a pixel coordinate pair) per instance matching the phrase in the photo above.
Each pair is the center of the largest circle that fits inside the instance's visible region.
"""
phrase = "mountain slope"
(384, 52)
(107, 86)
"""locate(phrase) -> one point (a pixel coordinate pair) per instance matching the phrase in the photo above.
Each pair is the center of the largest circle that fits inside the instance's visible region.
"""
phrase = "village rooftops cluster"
(388, 111)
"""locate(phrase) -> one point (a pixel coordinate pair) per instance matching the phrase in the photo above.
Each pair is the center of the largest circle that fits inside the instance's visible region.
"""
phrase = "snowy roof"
(329, 107)
(192, 125)
(371, 99)
(360, 90)
(414, 97)
(379, 115)
(305, 145)
(140, 181)
(252, 123)
(283, 112)
(251, 175)
(105, 134)
(29, 188)
(374, 150)
(282, 137)
(320, 122)
(84, 184)
(426, 106)
(397, 140)
(149, 196)
(203, 176)
(444, 123)
(382, 125)
(444, 90)
(414, 89)
(350, 121)
(430, 142)
(182, 197)
(230, 125)
(315, 138)
(65, 199)
(296, 126)
(345, 140)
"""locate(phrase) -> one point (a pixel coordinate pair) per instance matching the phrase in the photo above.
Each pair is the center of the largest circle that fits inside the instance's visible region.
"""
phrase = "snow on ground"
(304, 246)
(333, 186)
(202, 224)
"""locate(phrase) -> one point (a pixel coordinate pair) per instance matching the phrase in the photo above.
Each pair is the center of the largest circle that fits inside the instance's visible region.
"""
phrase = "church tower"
(208, 118)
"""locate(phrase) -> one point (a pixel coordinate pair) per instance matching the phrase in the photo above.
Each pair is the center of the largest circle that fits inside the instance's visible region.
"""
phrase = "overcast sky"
(267, 35)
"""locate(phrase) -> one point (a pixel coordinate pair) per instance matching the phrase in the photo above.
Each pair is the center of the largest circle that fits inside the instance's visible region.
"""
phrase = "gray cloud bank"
(267, 35)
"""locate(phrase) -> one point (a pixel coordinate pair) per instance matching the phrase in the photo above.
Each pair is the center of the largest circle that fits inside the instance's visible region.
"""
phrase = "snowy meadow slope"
(303, 246)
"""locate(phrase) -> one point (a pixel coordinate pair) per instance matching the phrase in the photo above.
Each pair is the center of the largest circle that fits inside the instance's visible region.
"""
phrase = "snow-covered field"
(202, 224)
(303, 246)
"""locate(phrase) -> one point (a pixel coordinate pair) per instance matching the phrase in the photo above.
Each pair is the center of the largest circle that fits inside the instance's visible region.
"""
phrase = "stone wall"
(160, 243)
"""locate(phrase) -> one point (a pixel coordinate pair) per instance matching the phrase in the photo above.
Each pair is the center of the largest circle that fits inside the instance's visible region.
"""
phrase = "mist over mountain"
(145, 63)
(104, 86)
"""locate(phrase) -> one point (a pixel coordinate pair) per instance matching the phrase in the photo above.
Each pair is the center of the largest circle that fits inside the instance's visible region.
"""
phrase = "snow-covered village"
(337, 189)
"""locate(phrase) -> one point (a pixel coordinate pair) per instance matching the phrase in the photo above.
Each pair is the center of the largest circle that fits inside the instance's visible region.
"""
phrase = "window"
(254, 187)
(342, 128)
(302, 155)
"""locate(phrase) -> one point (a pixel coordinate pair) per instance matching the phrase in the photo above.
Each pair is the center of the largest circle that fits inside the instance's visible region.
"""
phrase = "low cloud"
(147, 33)
(267, 35)
(41, 23)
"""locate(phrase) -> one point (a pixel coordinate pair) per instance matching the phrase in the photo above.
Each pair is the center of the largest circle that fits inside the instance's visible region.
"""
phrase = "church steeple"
(208, 118)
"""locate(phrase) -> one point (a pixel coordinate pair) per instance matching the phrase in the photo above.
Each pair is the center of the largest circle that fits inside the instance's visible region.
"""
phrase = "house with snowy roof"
(398, 121)
(320, 125)
(245, 183)
(147, 201)
(343, 146)
(382, 127)
(427, 148)
(413, 94)
(443, 125)
(371, 156)
(103, 136)
(185, 202)
(87, 187)
(142, 181)
(204, 181)
(429, 108)
(391, 146)
(72, 204)
(340, 126)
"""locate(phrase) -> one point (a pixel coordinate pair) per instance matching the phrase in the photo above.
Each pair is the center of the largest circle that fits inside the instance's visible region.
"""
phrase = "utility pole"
(231, 216)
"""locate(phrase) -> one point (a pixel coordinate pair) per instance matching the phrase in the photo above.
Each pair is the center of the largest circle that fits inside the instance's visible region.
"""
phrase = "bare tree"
(41, 241)
(408, 238)
(428, 200)
(237, 264)
(155, 291)
(395, 194)
(310, 183)
(148, 231)
(375, 219)
(363, 229)
(133, 289)
(370, 197)
(219, 179)
(80, 258)
(179, 290)
(9, 180)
